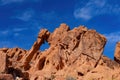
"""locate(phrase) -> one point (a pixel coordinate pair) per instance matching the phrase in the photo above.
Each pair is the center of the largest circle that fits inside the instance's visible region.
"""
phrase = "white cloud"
(96, 7)
(16, 34)
(7, 44)
(4, 2)
(82, 13)
(14, 31)
(4, 32)
(19, 29)
(113, 37)
(26, 15)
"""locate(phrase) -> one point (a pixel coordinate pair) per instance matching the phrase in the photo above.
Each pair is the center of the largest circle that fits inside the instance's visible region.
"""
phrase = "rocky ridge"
(73, 55)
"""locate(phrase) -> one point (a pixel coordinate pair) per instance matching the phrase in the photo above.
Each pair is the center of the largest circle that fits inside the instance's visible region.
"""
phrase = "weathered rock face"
(117, 53)
(3, 62)
(6, 77)
(73, 55)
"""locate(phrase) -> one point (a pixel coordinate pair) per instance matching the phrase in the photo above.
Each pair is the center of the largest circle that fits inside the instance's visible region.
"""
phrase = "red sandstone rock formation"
(117, 53)
(73, 55)
(6, 77)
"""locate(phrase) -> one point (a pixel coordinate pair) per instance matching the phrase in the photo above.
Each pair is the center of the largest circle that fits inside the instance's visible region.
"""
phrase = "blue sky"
(21, 20)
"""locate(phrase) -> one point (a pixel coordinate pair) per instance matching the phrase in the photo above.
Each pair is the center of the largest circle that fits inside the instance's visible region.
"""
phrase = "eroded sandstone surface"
(75, 54)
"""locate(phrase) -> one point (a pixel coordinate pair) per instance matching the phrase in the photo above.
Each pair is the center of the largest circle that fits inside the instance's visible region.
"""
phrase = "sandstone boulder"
(6, 77)
(117, 53)
(3, 62)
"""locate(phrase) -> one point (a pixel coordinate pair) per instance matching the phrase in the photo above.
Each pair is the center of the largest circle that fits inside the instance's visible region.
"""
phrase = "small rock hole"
(80, 74)
(44, 46)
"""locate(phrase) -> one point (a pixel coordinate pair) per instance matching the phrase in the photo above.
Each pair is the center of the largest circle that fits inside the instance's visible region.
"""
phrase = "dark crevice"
(93, 71)
(16, 49)
(18, 73)
(47, 62)
(93, 59)
(89, 56)
(77, 44)
(42, 63)
(60, 65)
(36, 78)
(97, 62)
(80, 74)
(116, 60)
